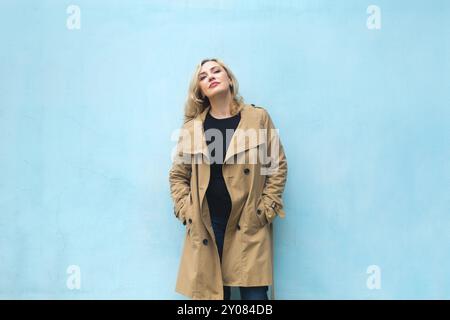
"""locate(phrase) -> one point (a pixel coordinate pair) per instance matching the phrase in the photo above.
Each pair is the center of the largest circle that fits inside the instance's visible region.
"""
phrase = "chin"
(216, 92)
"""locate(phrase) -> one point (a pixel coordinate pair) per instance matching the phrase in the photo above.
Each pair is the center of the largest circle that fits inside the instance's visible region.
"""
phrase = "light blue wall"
(86, 117)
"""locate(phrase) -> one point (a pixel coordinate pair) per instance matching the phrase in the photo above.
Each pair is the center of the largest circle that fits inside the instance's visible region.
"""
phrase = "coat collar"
(196, 141)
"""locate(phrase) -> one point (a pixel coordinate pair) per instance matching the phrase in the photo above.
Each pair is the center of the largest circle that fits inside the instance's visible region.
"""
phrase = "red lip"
(213, 83)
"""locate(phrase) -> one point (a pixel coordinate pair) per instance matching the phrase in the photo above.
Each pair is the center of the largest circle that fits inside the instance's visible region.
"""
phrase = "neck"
(221, 105)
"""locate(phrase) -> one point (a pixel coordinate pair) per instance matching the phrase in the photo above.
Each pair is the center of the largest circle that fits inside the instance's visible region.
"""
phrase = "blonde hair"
(196, 103)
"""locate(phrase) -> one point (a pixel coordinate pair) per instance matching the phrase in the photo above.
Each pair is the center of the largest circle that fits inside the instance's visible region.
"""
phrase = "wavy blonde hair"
(196, 103)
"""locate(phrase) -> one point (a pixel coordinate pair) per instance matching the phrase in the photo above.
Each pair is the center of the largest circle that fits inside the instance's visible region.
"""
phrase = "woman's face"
(213, 79)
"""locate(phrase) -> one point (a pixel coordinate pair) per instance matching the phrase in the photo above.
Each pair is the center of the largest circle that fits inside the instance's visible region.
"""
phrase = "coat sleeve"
(276, 174)
(179, 179)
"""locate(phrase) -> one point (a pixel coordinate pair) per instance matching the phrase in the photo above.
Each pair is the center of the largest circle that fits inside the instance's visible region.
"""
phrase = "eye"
(215, 71)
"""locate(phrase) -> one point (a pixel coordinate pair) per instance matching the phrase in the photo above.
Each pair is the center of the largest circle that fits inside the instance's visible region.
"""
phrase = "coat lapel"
(241, 140)
(247, 134)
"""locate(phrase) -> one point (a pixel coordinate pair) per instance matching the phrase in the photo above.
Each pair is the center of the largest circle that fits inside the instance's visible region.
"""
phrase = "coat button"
(190, 220)
(246, 170)
(184, 222)
(205, 241)
(258, 211)
(238, 227)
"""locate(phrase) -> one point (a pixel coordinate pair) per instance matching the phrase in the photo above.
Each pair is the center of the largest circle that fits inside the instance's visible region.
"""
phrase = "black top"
(217, 195)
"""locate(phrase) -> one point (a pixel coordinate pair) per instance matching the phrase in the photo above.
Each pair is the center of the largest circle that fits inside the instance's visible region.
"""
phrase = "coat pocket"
(259, 214)
(185, 209)
(190, 218)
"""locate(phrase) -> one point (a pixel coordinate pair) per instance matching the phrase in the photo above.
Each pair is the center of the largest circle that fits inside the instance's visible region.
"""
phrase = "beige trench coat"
(256, 197)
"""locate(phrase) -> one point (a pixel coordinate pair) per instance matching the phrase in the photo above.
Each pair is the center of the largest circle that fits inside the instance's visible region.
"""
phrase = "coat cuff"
(273, 209)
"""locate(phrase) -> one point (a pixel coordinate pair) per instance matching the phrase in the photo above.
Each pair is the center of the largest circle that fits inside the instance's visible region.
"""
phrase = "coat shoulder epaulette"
(256, 106)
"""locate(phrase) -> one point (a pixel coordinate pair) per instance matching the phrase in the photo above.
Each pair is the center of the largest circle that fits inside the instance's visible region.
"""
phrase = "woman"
(226, 181)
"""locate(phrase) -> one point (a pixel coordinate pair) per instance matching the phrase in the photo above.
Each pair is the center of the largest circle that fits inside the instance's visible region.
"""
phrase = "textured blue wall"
(90, 96)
